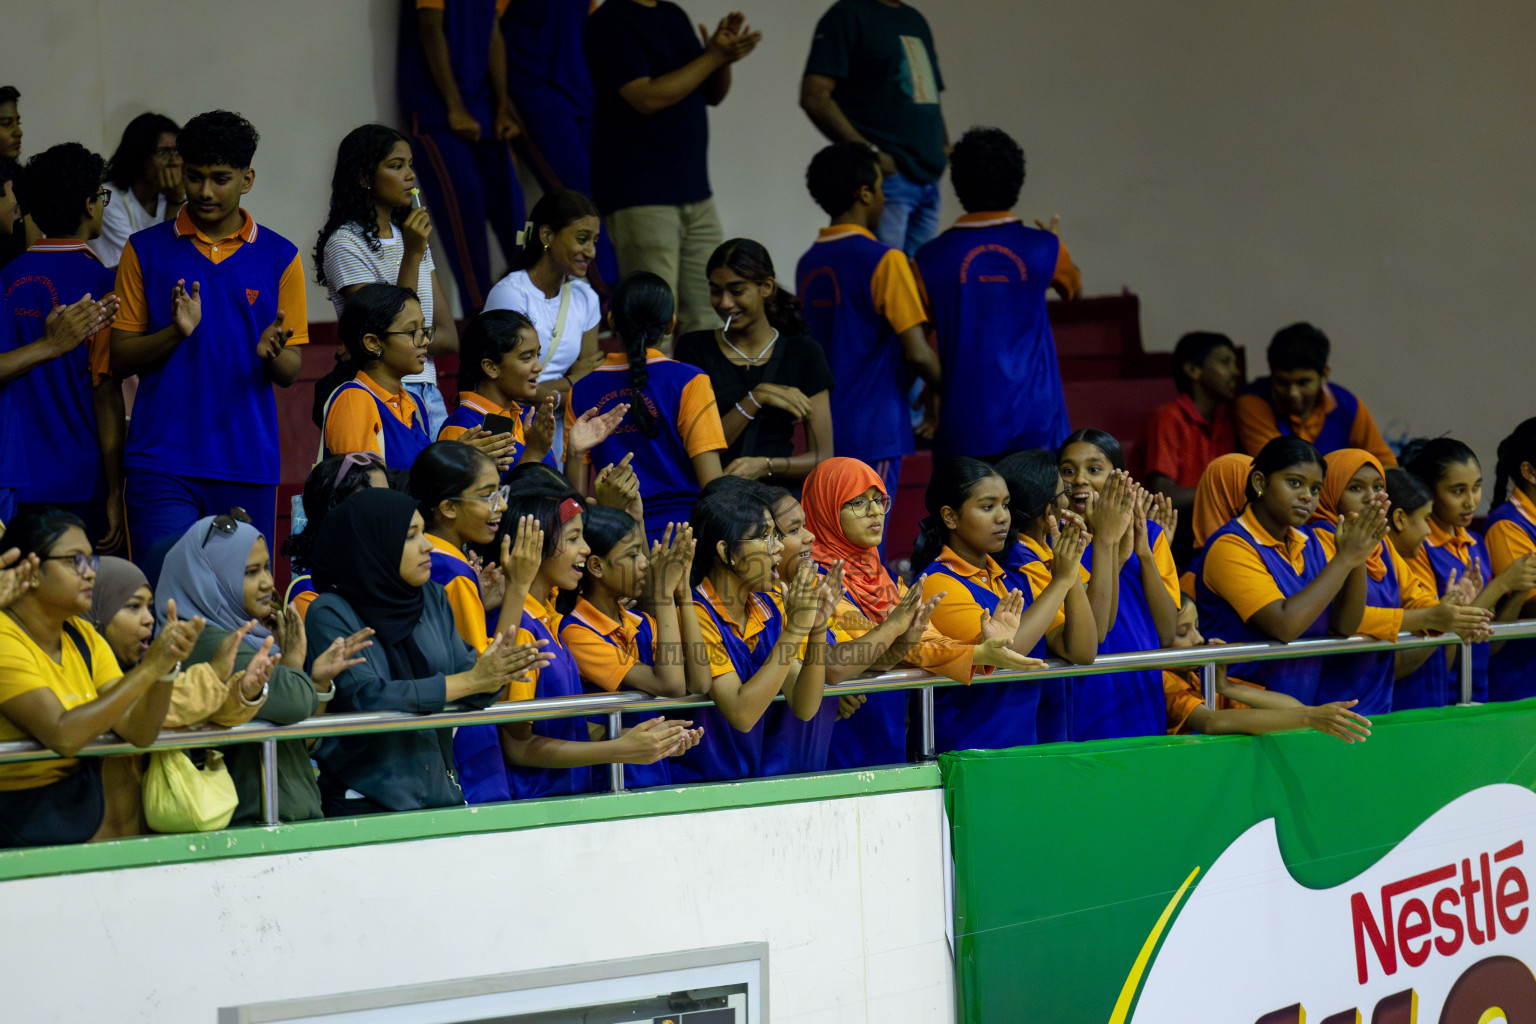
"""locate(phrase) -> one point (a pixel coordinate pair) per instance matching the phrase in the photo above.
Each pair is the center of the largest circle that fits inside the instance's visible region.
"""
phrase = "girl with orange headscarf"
(845, 503)
(1396, 598)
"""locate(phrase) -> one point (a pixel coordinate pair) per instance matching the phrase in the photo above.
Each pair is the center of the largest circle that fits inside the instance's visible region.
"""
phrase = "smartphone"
(497, 424)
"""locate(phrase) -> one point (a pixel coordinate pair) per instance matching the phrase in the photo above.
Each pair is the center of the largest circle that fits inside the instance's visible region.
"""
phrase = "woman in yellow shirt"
(60, 685)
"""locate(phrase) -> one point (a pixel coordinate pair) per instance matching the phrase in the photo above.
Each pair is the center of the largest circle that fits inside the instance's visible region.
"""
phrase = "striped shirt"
(349, 261)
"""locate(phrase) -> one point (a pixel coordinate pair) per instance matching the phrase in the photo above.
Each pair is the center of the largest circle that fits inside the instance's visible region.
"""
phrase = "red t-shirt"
(1181, 442)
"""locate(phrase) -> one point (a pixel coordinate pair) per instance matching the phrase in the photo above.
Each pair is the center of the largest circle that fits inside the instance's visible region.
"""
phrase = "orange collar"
(401, 403)
(757, 610)
(989, 575)
(545, 613)
(587, 612)
(986, 219)
(482, 404)
(622, 359)
(62, 245)
(438, 544)
(1523, 504)
(1458, 541)
(1041, 551)
(1292, 546)
(836, 231)
(184, 227)
(1313, 421)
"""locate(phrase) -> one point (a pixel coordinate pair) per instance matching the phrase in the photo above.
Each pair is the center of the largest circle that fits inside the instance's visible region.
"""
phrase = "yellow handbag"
(178, 797)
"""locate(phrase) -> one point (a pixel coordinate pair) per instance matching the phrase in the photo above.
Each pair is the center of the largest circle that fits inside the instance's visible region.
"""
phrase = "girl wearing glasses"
(220, 569)
(60, 685)
(845, 505)
(461, 500)
(327, 486)
(382, 329)
(376, 233)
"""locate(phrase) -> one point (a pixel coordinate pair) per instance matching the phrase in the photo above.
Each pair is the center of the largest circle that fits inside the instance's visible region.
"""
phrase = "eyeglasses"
(416, 335)
(81, 562)
(163, 152)
(227, 525)
(105, 195)
(372, 460)
(876, 506)
(495, 501)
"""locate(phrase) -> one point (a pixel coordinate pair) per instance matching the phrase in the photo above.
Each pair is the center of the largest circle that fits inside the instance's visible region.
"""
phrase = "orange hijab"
(1220, 495)
(1343, 464)
(828, 486)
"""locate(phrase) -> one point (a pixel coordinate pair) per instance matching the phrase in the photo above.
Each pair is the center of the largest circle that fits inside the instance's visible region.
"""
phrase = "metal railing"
(613, 705)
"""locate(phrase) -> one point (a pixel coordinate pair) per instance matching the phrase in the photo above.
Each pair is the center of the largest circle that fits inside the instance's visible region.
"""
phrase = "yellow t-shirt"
(24, 667)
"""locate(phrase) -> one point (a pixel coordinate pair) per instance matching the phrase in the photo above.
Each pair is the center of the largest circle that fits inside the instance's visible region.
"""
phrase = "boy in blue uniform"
(1298, 399)
(453, 89)
(984, 281)
(863, 307)
(71, 404)
(205, 298)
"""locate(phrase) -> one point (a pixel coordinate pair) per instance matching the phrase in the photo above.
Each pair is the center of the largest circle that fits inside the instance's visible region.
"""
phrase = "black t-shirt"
(644, 159)
(888, 80)
(796, 361)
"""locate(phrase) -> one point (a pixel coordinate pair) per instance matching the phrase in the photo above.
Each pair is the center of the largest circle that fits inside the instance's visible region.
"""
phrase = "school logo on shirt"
(251, 294)
(993, 278)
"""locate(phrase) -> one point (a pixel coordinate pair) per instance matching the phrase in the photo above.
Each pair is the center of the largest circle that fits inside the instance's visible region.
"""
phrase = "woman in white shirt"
(548, 285)
(144, 175)
(373, 236)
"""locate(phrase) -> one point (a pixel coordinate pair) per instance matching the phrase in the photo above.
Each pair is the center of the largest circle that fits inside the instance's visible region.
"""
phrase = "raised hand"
(415, 230)
(671, 560)
(274, 339)
(499, 448)
(67, 326)
(168, 183)
(1111, 517)
(257, 672)
(591, 429)
(1338, 721)
(618, 487)
(921, 616)
(1360, 533)
(17, 575)
(1164, 514)
(522, 553)
(1067, 547)
(1519, 576)
(223, 660)
(186, 307)
(827, 596)
(1003, 622)
(540, 434)
(175, 642)
(504, 661)
(341, 655)
(802, 597)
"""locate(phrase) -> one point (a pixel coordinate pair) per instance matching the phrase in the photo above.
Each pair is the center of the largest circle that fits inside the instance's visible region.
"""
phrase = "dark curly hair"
(218, 137)
(1298, 347)
(556, 209)
(748, 259)
(140, 140)
(987, 169)
(57, 185)
(838, 172)
(357, 161)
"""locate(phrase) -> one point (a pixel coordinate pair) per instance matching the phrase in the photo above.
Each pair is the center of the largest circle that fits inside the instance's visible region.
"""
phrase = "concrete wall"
(1365, 166)
(848, 893)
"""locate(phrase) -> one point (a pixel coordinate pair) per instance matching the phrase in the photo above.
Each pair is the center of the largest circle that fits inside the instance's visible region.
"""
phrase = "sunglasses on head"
(226, 524)
(369, 459)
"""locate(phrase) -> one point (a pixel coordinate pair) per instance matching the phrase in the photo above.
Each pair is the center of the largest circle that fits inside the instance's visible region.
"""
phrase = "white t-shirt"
(122, 217)
(349, 261)
(517, 292)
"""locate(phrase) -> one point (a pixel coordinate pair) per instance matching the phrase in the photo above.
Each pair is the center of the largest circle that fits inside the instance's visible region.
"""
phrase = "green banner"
(1091, 883)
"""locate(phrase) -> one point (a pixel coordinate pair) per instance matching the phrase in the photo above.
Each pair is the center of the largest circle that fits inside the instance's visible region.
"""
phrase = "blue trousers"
(162, 507)
(467, 185)
(911, 215)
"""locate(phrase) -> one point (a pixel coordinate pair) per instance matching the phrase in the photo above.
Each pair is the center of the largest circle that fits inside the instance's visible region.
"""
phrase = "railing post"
(1208, 684)
(1464, 665)
(925, 702)
(615, 771)
(269, 781)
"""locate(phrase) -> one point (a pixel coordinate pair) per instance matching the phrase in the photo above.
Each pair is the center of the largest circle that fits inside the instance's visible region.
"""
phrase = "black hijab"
(357, 557)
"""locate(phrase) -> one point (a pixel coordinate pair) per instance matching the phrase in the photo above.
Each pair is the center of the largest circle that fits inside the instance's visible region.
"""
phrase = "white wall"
(1366, 166)
(848, 893)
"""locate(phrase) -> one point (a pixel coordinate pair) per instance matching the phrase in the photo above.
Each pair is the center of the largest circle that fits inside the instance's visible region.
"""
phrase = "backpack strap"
(76, 638)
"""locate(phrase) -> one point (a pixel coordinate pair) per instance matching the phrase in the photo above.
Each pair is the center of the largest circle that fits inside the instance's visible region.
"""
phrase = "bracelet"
(768, 467)
(170, 677)
(745, 413)
(566, 376)
(261, 698)
(326, 696)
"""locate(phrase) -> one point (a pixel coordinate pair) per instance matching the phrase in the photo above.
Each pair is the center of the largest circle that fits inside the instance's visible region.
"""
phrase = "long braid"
(642, 314)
